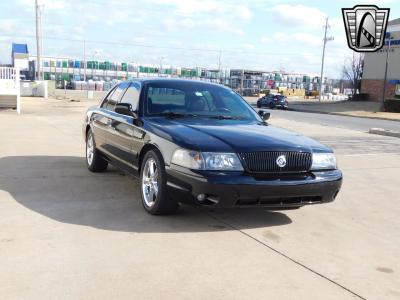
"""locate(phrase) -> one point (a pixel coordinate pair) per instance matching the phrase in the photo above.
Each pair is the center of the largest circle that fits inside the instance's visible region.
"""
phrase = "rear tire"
(258, 104)
(94, 161)
(153, 186)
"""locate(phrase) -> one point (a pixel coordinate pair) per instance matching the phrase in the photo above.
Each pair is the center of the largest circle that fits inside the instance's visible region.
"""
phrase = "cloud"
(48, 4)
(299, 15)
(8, 26)
(195, 7)
(352, 3)
(222, 16)
(297, 38)
(222, 25)
(265, 40)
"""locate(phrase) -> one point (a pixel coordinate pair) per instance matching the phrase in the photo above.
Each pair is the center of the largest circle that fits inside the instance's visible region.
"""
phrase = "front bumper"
(239, 189)
(281, 105)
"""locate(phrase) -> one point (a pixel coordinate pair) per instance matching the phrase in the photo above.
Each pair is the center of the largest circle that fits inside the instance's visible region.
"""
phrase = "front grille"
(265, 161)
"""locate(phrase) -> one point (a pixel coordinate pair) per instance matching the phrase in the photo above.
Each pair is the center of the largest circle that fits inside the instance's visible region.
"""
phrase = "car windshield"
(279, 97)
(195, 99)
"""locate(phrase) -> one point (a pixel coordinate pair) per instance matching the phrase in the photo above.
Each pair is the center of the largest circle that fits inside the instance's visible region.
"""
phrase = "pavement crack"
(284, 255)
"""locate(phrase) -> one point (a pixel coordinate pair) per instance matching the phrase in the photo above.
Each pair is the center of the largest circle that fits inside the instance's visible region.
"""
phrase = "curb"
(385, 132)
(340, 114)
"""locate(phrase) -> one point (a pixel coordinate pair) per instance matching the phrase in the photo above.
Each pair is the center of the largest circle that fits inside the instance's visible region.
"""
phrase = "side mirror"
(125, 109)
(265, 115)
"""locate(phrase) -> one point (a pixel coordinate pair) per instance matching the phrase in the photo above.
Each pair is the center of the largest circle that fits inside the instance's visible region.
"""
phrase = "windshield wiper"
(172, 115)
(224, 117)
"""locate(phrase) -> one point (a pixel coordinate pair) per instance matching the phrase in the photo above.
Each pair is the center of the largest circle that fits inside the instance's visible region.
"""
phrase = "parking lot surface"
(67, 233)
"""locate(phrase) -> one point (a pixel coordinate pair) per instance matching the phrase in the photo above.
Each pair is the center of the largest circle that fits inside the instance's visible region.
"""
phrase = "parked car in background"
(273, 101)
(197, 142)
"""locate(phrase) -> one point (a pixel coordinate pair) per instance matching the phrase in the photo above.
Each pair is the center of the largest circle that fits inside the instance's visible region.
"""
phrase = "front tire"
(153, 186)
(94, 161)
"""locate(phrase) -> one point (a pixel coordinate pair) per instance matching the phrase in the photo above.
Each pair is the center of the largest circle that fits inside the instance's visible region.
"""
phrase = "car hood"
(230, 135)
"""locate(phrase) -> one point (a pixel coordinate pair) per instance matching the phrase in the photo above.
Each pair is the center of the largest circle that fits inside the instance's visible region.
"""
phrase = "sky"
(263, 35)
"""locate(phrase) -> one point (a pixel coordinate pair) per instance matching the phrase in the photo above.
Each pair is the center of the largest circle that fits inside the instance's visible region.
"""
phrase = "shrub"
(392, 105)
(360, 97)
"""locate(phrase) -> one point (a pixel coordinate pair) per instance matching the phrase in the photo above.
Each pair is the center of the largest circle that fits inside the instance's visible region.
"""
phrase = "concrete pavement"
(68, 233)
(346, 122)
(348, 114)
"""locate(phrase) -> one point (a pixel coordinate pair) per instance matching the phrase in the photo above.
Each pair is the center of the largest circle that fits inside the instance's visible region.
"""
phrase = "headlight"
(207, 160)
(222, 161)
(323, 161)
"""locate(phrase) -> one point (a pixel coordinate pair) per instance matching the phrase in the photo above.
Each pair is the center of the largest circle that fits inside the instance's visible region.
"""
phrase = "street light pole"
(38, 44)
(385, 77)
(326, 39)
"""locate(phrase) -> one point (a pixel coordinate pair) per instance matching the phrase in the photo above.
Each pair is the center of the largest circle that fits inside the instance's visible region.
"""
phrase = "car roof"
(171, 80)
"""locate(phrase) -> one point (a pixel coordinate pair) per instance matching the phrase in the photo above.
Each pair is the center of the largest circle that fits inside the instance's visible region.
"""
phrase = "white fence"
(10, 88)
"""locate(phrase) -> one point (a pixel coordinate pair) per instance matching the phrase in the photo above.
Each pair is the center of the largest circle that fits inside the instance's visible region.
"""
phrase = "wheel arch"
(146, 149)
(87, 129)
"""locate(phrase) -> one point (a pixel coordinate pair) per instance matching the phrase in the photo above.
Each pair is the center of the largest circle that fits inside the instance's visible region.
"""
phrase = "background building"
(374, 67)
(91, 74)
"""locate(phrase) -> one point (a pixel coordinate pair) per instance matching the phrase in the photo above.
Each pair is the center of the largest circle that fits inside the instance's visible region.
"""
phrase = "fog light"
(201, 197)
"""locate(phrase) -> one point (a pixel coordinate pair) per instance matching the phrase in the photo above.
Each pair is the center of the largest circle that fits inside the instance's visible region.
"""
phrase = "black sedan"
(191, 141)
(273, 101)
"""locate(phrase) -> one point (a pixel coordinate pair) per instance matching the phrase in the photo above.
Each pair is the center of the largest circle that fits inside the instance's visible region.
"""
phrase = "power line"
(233, 51)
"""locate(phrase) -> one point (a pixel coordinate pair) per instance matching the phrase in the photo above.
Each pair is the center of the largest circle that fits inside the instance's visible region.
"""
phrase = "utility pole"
(38, 42)
(385, 77)
(84, 60)
(161, 58)
(326, 39)
(219, 66)
(241, 82)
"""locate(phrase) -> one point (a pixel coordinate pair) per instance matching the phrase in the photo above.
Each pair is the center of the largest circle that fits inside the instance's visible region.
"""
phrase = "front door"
(126, 138)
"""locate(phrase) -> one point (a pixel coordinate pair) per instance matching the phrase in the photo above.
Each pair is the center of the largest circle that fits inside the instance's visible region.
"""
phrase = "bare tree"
(352, 71)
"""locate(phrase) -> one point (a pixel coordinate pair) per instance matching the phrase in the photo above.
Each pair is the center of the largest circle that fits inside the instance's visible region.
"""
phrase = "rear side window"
(132, 95)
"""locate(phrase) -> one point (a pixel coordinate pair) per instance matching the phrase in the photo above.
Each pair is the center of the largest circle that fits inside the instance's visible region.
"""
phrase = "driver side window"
(105, 101)
(114, 96)
(132, 95)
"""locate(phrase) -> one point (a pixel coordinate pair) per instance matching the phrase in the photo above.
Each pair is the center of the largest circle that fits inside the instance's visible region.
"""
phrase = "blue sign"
(394, 81)
(392, 42)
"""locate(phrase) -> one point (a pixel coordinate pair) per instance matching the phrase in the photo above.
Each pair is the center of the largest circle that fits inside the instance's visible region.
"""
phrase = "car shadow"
(61, 188)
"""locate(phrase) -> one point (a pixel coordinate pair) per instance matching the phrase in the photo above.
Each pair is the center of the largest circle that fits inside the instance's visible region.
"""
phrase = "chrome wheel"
(150, 182)
(89, 149)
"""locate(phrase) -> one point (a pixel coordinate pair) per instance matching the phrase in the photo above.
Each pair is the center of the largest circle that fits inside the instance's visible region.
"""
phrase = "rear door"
(126, 137)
